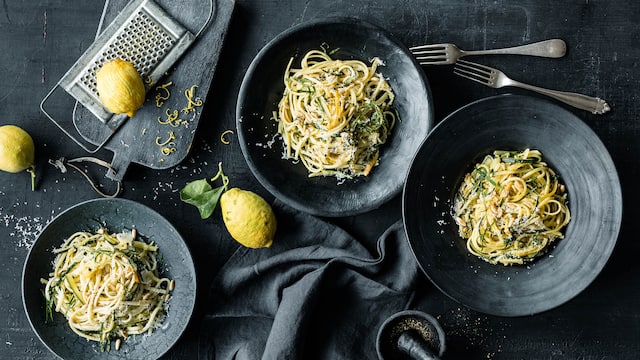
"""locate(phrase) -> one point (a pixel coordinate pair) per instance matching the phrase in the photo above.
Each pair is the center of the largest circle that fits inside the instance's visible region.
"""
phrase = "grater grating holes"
(143, 42)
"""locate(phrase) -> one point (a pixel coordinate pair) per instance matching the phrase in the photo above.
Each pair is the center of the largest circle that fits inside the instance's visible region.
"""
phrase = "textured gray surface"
(40, 40)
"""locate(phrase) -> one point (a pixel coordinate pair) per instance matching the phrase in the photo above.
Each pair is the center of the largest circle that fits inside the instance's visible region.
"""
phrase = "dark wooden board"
(138, 138)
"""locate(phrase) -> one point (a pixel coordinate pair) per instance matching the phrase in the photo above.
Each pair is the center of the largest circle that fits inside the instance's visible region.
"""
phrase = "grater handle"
(209, 18)
(81, 142)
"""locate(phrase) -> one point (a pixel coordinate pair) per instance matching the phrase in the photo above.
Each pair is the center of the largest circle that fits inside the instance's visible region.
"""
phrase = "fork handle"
(593, 104)
(554, 48)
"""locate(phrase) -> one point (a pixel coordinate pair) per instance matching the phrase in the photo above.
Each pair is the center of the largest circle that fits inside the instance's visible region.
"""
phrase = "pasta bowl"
(579, 158)
(115, 215)
(263, 87)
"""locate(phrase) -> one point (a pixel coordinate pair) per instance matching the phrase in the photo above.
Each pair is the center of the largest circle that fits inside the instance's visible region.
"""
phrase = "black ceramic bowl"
(116, 215)
(262, 89)
(570, 147)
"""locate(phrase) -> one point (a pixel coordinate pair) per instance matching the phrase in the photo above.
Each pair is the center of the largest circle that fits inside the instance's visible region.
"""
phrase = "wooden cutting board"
(149, 138)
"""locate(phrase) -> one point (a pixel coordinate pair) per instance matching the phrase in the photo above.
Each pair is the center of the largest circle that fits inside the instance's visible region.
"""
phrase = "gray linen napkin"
(317, 293)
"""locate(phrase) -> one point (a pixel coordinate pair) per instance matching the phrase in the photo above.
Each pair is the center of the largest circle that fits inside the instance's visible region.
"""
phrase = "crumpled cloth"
(316, 293)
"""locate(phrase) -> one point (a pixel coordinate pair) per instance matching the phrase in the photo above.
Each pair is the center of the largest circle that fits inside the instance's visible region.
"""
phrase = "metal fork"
(442, 54)
(496, 79)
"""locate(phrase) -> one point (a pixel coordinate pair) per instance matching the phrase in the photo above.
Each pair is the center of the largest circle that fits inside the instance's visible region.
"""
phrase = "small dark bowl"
(116, 215)
(570, 147)
(262, 89)
(419, 323)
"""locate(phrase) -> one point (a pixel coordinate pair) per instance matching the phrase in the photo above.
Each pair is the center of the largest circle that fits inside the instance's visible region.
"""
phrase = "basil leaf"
(200, 194)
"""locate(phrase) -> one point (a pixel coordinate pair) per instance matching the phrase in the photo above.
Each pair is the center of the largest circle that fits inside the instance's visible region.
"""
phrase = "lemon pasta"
(107, 286)
(335, 114)
(510, 207)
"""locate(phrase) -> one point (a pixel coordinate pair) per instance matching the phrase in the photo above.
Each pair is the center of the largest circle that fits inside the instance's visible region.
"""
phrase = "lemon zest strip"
(167, 150)
(172, 119)
(189, 94)
(172, 136)
(222, 137)
(163, 93)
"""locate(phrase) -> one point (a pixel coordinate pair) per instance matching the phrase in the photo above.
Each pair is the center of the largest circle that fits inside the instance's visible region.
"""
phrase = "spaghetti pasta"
(107, 286)
(511, 207)
(335, 114)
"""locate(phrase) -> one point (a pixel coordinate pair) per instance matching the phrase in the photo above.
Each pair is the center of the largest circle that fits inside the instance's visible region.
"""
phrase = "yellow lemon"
(17, 151)
(120, 87)
(248, 218)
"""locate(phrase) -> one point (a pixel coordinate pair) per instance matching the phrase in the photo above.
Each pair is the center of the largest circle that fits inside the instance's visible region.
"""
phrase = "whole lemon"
(120, 87)
(248, 218)
(17, 151)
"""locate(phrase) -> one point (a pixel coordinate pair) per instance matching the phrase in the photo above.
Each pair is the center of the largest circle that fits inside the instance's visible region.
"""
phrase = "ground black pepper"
(392, 331)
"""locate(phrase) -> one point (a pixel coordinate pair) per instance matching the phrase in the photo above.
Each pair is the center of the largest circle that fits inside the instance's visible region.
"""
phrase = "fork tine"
(430, 54)
(471, 76)
(433, 54)
(428, 47)
(472, 71)
(432, 60)
(474, 66)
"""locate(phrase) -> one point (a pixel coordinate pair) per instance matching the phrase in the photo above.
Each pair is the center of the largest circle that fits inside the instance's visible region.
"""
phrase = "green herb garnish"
(202, 195)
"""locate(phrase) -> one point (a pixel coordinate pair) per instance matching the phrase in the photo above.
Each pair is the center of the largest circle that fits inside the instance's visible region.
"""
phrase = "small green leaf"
(194, 189)
(200, 194)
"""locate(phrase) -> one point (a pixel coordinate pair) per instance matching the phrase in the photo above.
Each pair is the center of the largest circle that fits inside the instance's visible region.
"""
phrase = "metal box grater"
(143, 34)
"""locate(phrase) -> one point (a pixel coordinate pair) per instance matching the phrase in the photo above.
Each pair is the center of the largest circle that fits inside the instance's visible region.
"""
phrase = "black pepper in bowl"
(412, 330)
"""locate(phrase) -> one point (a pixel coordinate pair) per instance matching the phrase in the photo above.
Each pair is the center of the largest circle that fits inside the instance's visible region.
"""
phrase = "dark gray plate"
(570, 147)
(262, 89)
(117, 215)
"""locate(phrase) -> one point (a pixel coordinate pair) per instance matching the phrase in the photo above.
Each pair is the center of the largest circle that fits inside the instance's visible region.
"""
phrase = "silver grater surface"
(143, 34)
(142, 42)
